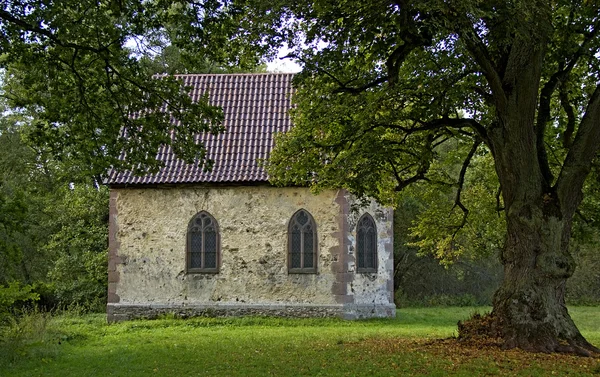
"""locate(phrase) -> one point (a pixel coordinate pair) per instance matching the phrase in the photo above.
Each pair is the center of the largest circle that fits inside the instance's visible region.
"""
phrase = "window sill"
(366, 271)
(304, 271)
(202, 271)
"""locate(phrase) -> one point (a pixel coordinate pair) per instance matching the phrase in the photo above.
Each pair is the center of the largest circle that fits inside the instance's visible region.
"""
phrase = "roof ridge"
(233, 74)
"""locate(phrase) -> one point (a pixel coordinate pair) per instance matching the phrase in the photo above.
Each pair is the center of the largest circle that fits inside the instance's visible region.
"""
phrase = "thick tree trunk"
(529, 307)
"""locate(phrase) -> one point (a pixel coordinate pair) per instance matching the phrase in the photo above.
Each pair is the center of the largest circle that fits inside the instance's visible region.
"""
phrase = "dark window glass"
(309, 247)
(302, 243)
(296, 248)
(210, 249)
(203, 244)
(196, 249)
(366, 245)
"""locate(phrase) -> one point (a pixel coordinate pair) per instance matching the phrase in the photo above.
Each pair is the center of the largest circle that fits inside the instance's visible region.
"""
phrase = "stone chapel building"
(226, 242)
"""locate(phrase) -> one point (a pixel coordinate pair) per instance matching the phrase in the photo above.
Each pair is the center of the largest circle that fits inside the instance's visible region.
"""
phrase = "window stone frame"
(188, 247)
(315, 248)
(361, 260)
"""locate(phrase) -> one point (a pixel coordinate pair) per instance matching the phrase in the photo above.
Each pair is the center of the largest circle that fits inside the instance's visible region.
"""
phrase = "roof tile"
(255, 106)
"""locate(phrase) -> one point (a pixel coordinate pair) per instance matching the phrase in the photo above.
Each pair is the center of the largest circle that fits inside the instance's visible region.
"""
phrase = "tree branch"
(403, 183)
(582, 217)
(488, 99)
(568, 108)
(461, 181)
(578, 162)
(457, 123)
(412, 35)
(344, 88)
(23, 25)
(499, 207)
(481, 55)
(558, 78)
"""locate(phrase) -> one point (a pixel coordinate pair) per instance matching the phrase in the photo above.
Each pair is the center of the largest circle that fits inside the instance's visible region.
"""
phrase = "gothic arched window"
(302, 243)
(366, 244)
(203, 244)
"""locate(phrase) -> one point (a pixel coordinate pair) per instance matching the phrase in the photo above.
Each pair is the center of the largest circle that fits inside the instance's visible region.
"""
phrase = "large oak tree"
(386, 84)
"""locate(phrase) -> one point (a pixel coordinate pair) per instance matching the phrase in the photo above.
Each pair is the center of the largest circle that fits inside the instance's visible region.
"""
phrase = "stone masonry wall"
(148, 243)
(373, 293)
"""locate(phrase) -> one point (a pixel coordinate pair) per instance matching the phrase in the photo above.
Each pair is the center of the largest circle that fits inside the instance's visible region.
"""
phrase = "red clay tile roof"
(255, 106)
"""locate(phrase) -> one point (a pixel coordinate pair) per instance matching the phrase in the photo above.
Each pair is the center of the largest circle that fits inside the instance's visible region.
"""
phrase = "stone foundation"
(120, 312)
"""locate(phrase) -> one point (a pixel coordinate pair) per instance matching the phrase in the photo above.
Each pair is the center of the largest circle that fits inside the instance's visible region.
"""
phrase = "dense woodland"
(53, 230)
(479, 120)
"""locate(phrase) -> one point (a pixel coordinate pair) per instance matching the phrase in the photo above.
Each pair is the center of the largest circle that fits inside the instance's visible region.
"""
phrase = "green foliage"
(11, 209)
(23, 189)
(442, 229)
(76, 69)
(25, 335)
(14, 293)
(487, 112)
(80, 80)
(53, 232)
(420, 279)
(584, 287)
(79, 247)
(426, 274)
(397, 94)
(172, 60)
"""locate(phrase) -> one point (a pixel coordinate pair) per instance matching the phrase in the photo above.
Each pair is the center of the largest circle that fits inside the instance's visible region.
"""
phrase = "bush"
(25, 335)
(79, 273)
(12, 296)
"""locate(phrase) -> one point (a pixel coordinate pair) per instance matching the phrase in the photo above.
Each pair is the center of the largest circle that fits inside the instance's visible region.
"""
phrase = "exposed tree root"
(489, 330)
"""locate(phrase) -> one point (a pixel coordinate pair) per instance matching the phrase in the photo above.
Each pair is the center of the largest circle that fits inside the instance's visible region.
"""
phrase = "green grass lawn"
(408, 345)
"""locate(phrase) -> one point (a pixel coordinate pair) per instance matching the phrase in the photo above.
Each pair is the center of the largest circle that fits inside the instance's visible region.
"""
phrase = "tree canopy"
(83, 72)
(83, 84)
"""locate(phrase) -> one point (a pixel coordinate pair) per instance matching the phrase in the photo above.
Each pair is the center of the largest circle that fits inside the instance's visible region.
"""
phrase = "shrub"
(13, 295)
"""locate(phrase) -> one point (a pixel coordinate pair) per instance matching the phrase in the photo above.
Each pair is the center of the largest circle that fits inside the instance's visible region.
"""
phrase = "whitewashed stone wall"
(148, 242)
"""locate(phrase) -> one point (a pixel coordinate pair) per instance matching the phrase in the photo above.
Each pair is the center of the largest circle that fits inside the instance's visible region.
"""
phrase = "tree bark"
(529, 307)
(529, 310)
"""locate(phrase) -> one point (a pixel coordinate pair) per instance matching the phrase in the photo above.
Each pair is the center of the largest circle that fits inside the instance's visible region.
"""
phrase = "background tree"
(386, 84)
(437, 262)
(53, 238)
(429, 273)
(74, 67)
